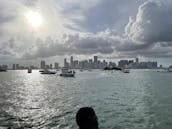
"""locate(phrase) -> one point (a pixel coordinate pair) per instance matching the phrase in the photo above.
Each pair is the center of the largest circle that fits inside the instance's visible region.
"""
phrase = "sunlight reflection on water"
(141, 99)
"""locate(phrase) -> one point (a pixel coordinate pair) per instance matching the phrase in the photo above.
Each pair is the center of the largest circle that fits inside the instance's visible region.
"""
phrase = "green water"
(141, 99)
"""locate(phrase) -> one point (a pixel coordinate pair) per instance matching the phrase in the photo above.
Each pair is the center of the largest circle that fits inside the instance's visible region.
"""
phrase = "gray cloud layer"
(147, 34)
(152, 24)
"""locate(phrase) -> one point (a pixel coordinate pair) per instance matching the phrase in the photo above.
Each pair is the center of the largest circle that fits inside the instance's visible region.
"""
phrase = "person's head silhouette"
(86, 118)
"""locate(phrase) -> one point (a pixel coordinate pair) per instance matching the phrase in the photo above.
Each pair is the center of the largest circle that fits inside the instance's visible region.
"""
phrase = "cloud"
(72, 44)
(86, 28)
(107, 14)
(153, 23)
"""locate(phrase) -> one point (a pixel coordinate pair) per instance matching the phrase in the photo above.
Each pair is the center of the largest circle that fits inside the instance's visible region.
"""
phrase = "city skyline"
(31, 31)
(57, 56)
(90, 63)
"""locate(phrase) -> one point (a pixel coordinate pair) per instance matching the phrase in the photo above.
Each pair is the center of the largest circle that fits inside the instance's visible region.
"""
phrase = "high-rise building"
(123, 63)
(17, 66)
(137, 60)
(71, 61)
(95, 59)
(66, 63)
(51, 66)
(14, 66)
(95, 62)
(56, 65)
(47, 66)
(42, 64)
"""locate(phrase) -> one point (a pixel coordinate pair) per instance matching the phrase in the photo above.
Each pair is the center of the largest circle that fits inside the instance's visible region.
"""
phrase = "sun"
(34, 18)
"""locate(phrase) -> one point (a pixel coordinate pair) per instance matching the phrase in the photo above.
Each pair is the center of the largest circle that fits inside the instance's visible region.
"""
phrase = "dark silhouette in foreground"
(86, 118)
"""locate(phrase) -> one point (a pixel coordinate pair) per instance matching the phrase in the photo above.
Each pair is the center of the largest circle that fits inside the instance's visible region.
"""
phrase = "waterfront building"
(17, 66)
(112, 64)
(71, 62)
(76, 64)
(14, 66)
(123, 63)
(137, 60)
(66, 64)
(95, 62)
(42, 65)
(51, 66)
(56, 65)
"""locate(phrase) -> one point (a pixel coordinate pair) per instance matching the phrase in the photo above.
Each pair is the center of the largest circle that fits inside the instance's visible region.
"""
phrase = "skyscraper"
(95, 59)
(42, 64)
(17, 66)
(14, 66)
(95, 62)
(51, 66)
(56, 65)
(71, 61)
(66, 63)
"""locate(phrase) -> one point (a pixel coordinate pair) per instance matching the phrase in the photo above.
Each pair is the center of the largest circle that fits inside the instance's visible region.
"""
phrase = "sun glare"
(34, 18)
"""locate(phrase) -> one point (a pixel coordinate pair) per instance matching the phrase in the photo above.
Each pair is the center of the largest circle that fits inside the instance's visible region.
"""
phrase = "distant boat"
(112, 68)
(125, 70)
(165, 70)
(65, 72)
(3, 70)
(41, 70)
(46, 71)
(29, 70)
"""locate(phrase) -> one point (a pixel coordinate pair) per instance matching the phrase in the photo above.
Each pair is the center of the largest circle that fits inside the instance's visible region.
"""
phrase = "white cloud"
(148, 34)
(153, 23)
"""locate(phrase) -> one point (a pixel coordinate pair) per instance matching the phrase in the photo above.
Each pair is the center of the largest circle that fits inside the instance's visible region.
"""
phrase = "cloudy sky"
(31, 30)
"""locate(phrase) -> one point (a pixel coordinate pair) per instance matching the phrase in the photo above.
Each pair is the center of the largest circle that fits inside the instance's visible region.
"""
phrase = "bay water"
(141, 99)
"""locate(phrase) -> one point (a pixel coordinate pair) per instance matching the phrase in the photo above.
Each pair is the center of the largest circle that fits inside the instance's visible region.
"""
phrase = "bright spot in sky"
(34, 18)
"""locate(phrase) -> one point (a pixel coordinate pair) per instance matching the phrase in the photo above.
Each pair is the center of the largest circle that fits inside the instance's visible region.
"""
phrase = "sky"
(34, 30)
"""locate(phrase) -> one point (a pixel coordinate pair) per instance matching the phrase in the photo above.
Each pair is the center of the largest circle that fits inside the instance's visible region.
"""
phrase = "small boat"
(67, 73)
(29, 70)
(125, 70)
(3, 70)
(46, 71)
(41, 71)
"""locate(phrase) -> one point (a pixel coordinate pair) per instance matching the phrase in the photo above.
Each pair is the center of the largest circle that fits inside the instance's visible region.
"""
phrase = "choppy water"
(139, 100)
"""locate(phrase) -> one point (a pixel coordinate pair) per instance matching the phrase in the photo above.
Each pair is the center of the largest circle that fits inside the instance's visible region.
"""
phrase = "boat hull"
(67, 75)
(3, 70)
(48, 73)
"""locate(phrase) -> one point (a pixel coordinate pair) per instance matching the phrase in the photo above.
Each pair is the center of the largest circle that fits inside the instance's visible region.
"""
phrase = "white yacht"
(65, 72)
